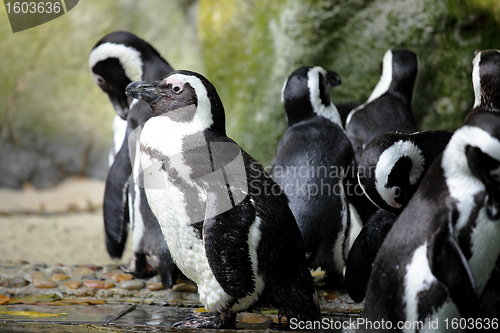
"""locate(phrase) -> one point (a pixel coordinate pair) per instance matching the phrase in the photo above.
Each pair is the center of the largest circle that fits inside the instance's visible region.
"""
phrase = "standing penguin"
(227, 224)
(388, 109)
(486, 81)
(440, 252)
(391, 168)
(309, 165)
(116, 60)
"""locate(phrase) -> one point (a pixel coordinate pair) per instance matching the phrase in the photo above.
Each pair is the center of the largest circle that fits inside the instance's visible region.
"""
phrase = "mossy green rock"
(54, 121)
(251, 46)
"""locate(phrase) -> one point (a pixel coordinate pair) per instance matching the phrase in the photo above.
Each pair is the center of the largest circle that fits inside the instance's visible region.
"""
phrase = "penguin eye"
(177, 88)
(396, 191)
(99, 80)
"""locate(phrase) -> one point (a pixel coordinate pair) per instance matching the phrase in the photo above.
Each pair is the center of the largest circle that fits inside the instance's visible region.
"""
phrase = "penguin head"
(486, 80)
(306, 93)
(120, 58)
(482, 153)
(185, 97)
(398, 73)
(389, 170)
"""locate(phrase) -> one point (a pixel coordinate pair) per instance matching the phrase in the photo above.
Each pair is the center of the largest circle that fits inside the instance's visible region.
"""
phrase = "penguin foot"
(208, 320)
(139, 267)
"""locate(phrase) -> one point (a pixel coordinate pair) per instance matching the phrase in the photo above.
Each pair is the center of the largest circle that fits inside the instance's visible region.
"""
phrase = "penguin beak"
(146, 91)
(333, 78)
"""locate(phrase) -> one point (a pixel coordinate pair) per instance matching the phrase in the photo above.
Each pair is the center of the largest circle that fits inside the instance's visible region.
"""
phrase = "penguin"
(485, 81)
(391, 168)
(227, 223)
(116, 60)
(309, 165)
(440, 252)
(346, 108)
(388, 109)
(393, 164)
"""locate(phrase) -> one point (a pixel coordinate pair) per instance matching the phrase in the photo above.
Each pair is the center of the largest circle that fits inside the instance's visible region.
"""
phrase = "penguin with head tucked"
(227, 223)
(440, 253)
(393, 164)
(116, 60)
(310, 165)
(388, 109)
(391, 168)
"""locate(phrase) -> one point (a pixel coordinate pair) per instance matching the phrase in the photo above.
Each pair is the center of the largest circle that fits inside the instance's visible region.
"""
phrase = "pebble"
(185, 287)
(132, 285)
(57, 271)
(122, 277)
(72, 284)
(332, 298)
(154, 286)
(60, 277)
(42, 281)
(80, 272)
(98, 284)
(19, 282)
(4, 299)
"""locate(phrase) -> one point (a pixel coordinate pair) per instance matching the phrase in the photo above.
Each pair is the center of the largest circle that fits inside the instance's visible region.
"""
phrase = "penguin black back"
(486, 81)
(388, 109)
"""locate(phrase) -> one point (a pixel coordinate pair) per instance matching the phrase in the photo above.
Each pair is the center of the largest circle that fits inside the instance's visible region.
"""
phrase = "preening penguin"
(442, 249)
(391, 168)
(227, 224)
(393, 164)
(309, 165)
(388, 109)
(116, 60)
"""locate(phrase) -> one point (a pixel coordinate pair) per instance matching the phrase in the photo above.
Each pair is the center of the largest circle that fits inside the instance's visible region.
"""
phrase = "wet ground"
(55, 275)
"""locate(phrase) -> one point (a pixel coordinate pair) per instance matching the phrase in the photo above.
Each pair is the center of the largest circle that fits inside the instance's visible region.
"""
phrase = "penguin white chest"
(178, 203)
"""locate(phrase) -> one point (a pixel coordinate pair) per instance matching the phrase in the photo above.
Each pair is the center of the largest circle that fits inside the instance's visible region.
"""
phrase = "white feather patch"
(386, 163)
(129, 58)
(418, 278)
(476, 79)
(330, 111)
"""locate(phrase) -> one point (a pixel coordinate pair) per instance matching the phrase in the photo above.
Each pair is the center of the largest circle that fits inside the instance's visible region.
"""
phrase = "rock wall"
(251, 46)
(54, 122)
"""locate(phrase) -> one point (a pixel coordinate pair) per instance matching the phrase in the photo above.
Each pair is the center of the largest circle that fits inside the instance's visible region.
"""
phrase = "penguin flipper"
(450, 267)
(364, 251)
(115, 204)
(225, 235)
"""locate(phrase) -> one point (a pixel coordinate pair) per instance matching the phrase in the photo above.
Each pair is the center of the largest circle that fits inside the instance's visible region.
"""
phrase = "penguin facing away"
(309, 164)
(388, 109)
(486, 80)
(393, 164)
(116, 60)
(226, 227)
(441, 250)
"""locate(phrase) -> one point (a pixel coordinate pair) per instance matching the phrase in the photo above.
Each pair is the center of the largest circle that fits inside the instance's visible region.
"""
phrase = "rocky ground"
(54, 269)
